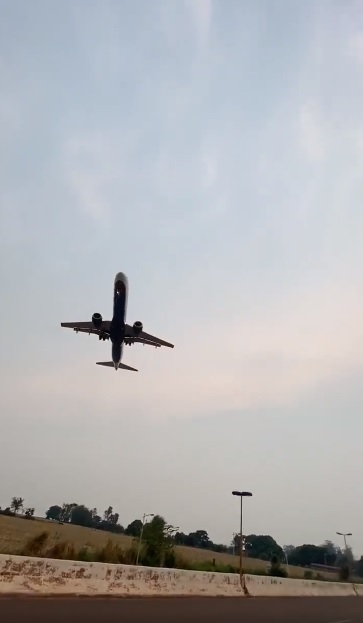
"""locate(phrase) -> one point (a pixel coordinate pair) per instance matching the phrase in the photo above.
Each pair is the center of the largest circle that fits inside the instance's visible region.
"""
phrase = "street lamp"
(241, 494)
(345, 534)
(141, 533)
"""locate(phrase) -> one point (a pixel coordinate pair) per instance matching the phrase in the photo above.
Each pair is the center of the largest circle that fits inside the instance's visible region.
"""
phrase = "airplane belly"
(117, 352)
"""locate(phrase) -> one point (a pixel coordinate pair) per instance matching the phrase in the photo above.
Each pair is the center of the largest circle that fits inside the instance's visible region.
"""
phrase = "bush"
(170, 559)
(276, 570)
(62, 551)
(36, 545)
(344, 573)
(110, 553)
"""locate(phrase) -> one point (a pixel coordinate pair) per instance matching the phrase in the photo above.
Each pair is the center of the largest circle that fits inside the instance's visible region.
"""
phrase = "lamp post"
(141, 533)
(241, 494)
(345, 534)
(234, 542)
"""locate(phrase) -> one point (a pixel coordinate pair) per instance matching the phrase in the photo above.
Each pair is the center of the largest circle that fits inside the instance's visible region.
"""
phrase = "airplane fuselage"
(117, 328)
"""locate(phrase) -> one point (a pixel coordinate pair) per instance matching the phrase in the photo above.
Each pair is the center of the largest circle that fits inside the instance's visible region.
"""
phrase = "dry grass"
(15, 532)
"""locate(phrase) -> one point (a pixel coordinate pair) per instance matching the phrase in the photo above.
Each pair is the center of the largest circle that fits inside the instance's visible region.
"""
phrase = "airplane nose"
(121, 277)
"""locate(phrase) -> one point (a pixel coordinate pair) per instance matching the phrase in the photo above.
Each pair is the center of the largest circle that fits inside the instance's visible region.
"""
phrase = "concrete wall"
(264, 586)
(19, 574)
(40, 576)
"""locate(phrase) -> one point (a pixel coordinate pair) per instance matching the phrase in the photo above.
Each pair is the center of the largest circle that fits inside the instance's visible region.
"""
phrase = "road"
(177, 610)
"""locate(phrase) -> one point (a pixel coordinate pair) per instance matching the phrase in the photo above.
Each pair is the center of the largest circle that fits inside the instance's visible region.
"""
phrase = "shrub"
(35, 546)
(110, 553)
(344, 573)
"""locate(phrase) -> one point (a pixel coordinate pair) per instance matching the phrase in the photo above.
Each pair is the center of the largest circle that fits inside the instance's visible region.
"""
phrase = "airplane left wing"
(87, 326)
(146, 338)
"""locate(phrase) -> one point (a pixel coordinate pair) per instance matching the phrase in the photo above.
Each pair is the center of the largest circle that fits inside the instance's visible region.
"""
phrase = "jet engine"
(138, 327)
(97, 320)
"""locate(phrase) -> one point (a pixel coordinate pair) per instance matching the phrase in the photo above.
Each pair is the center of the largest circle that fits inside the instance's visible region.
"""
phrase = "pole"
(241, 547)
(140, 539)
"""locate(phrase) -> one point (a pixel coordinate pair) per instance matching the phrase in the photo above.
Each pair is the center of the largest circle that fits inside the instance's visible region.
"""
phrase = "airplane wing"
(87, 327)
(146, 338)
(140, 340)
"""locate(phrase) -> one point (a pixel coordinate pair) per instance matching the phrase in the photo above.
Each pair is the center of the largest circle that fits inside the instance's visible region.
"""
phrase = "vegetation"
(71, 531)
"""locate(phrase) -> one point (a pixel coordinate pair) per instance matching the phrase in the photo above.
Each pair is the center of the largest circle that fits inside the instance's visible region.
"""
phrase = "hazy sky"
(213, 151)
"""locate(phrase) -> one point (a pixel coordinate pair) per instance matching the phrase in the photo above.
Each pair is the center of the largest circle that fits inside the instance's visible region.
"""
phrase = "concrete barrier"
(264, 586)
(42, 576)
(23, 575)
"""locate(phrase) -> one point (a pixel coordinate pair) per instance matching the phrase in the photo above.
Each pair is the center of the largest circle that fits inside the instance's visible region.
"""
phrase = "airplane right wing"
(146, 338)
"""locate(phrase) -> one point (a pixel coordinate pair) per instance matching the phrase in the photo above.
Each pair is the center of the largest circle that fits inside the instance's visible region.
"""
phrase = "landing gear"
(103, 336)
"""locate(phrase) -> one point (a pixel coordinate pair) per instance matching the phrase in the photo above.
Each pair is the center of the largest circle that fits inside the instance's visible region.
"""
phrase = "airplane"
(116, 329)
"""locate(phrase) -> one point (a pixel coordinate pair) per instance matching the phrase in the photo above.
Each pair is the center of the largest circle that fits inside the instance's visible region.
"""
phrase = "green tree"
(276, 569)
(256, 545)
(81, 516)
(54, 512)
(29, 512)
(307, 554)
(108, 513)
(359, 567)
(134, 528)
(67, 511)
(158, 537)
(200, 539)
(16, 504)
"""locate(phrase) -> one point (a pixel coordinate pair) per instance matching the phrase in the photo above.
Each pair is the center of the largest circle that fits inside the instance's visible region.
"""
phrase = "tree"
(256, 545)
(81, 516)
(54, 512)
(359, 567)
(108, 513)
(158, 539)
(275, 568)
(30, 512)
(307, 554)
(16, 504)
(67, 511)
(200, 539)
(344, 573)
(96, 520)
(134, 528)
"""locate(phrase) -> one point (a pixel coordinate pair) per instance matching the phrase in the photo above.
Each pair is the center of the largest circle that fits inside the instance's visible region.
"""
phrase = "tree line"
(263, 547)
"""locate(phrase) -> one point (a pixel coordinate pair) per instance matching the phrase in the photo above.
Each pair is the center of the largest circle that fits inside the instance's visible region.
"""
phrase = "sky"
(212, 151)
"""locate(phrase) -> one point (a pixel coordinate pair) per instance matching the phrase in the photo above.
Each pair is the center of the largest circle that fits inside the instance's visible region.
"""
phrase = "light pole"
(287, 560)
(234, 542)
(241, 494)
(345, 534)
(141, 533)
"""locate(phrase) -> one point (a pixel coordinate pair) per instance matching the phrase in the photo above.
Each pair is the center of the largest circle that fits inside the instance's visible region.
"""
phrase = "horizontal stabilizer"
(110, 364)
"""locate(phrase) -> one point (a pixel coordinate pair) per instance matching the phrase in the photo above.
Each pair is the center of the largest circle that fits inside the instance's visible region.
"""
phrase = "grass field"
(15, 532)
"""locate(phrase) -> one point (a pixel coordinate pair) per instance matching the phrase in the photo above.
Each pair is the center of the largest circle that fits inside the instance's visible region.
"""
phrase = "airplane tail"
(110, 364)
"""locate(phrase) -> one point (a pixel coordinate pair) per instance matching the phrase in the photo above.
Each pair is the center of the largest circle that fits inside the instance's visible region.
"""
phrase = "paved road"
(175, 610)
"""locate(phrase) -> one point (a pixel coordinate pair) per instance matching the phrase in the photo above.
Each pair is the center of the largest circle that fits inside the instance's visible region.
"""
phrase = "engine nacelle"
(138, 327)
(97, 320)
